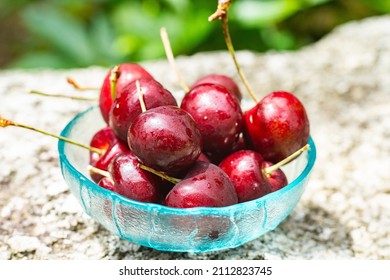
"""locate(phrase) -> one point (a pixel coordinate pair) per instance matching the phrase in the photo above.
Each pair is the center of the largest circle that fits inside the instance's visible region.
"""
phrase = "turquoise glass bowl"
(170, 229)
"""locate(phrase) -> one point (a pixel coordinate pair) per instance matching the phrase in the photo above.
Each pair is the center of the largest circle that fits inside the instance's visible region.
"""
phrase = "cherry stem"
(4, 123)
(268, 170)
(171, 59)
(223, 6)
(77, 86)
(160, 174)
(140, 96)
(63, 96)
(222, 14)
(114, 75)
(94, 170)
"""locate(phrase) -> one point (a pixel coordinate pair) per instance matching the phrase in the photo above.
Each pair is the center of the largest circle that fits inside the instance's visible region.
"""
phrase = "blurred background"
(73, 33)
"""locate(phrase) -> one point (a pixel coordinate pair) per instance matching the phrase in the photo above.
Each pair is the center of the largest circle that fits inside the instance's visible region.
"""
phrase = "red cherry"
(133, 182)
(128, 72)
(107, 183)
(126, 105)
(244, 168)
(277, 126)
(217, 114)
(165, 138)
(277, 179)
(221, 80)
(203, 157)
(204, 185)
(217, 157)
(106, 141)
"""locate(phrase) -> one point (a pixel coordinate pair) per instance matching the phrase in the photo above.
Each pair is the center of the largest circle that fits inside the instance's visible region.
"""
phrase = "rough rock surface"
(343, 80)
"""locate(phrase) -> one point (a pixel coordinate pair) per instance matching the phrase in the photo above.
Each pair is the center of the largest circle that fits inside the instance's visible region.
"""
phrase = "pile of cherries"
(203, 152)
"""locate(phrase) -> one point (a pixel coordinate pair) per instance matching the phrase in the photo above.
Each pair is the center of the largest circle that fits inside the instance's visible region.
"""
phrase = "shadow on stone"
(310, 232)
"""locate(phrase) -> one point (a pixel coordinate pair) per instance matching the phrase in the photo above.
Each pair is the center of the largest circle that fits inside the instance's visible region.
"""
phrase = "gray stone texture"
(344, 82)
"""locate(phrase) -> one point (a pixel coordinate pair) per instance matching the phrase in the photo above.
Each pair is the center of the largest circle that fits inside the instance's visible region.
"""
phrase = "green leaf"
(60, 29)
(278, 40)
(261, 13)
(131, 18)
(40, 60)
(103, 41)
(382, 6)
(179, 5)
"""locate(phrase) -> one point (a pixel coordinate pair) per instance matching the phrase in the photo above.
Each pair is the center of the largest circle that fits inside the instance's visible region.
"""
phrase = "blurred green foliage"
(73, 33)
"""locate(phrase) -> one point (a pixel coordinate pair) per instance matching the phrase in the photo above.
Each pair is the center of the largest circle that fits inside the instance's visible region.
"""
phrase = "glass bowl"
(164, 228)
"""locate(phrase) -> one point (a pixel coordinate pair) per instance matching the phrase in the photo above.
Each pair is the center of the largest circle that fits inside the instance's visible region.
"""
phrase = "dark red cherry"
(221, 80)
(128, 72)
(165, 138)
(277, 126)
(203, 157)
(107, 183)
(245, 170)
(240, 144)
(126, 105)
(133, 182)
(277, 179)
(204, 185)
(217, 114)
(110, 145)
(216, 157)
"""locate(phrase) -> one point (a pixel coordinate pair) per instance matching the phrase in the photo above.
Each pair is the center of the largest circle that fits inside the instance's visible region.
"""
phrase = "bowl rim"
(311, 154)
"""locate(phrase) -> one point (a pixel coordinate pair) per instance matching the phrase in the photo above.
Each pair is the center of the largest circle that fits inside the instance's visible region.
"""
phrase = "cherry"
(277, 179)
(221, 80)
(107, 183)
(244, 169)
(133, 182)
(203, 157)
(127, 106)
(115, 80)
(252, 176)
(216, 157)
(277, 126)
(204, 185)
(218, 115)
(109, 145)
(165, 138)
(275, 175)
(240, 144)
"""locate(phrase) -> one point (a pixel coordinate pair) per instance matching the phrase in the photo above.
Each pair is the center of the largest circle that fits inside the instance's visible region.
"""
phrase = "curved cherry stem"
(222, 14)
(171, 58)
(77, 86)
(4, 123)
(160, 174)
(268, 170)
(95, 170)
(75, 97)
